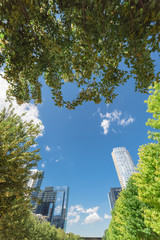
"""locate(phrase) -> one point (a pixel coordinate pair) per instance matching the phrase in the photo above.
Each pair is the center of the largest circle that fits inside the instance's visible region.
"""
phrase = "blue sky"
(76, 151)
(76, 148)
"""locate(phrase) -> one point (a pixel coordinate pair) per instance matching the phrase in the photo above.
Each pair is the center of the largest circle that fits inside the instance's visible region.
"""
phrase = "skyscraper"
(113, 196)
(54, 204)
(35, 183)
(124, 164)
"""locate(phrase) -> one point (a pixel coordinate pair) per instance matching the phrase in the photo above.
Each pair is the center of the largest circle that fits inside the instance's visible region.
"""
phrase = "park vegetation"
(29, 227)
(86, 43)
(136, 215)
(16, 159)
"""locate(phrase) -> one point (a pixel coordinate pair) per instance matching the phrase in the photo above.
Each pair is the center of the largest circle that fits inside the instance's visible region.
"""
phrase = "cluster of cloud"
(34, 145)
(48, 148)
(58, 209)
(74, 220)
(115, 116)
(75, 212)
(54, 148)
(92, 218)
(57, 160)
(106, 216)
(43, 164)
(31, 110)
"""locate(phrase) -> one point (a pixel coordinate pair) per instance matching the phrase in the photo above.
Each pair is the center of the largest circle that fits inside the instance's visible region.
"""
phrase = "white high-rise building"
(124, 164)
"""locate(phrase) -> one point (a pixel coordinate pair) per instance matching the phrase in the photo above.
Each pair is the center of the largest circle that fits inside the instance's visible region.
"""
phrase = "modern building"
(35, 182)
(113, 196)
(54, 205)
(124, 164)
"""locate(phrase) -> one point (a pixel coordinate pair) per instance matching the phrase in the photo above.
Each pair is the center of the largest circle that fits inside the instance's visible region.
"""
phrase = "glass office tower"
(54, 204)
(113, 196)
(35, 183)
(124, 164)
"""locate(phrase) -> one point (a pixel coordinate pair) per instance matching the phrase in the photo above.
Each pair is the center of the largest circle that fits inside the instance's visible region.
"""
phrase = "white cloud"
(107, 105)
(42, 165)
(48, 148)
(57, 160)
(106, 216)
(115, 116)
(58, 209)
(105, 125)
(74, 220)
(31, 110)
(73, 214)
(125, 122)
(92, 218)
(72, 208)
(114, 131)
(34, 145)
(112, 116)
(77, 208)
(80, 209)
(92, 210)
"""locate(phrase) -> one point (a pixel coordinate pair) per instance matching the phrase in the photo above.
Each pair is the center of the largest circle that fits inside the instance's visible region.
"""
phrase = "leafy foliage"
(33, 229)
(137, 211)
(127, 217)
(148, 179)
(81, 42)
(16, 160)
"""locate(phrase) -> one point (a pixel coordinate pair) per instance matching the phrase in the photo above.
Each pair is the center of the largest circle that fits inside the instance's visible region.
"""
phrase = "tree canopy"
(16, 160)
(137, 211)
(127, 221)
(80, 42)
(148, 179)
(33, 229)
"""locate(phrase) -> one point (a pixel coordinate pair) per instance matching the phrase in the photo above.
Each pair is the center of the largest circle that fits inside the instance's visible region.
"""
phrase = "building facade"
(113, 196)
(124, 164)
(54, 205)
(35, 183)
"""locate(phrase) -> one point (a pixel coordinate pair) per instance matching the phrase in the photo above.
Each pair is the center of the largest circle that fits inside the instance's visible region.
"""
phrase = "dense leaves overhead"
(82, 42)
